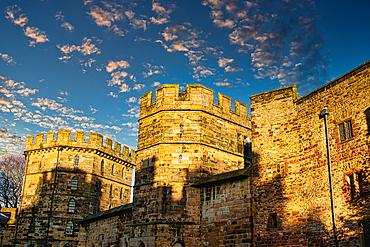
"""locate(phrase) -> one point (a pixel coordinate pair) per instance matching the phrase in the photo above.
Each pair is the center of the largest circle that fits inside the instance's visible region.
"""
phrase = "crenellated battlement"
(195, 97)
(93, 141)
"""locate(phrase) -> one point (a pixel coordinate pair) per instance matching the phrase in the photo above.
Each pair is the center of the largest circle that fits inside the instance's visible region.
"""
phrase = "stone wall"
(7, 227)
(92, 175)
(182, 137)
(290, 186)
(226, 214)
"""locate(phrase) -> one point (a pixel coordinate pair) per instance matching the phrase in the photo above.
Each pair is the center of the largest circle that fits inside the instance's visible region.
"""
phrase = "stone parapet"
(63, 138)
(195, 97)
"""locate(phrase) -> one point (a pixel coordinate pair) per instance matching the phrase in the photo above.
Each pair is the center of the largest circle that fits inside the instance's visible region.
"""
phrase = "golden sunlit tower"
(67, 178)
(182, 137)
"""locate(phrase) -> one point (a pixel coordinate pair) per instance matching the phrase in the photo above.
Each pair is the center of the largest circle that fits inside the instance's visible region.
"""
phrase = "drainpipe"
(52, 200)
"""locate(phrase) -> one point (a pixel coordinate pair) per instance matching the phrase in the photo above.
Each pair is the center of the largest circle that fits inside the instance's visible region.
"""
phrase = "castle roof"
(223, 178)
(108, 213)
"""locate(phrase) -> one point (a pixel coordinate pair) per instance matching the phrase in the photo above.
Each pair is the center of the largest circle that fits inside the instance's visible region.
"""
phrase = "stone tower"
(67, 178)
(182, 137)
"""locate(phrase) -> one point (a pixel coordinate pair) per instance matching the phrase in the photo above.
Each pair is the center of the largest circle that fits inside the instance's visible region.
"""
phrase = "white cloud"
(124, 88)
(232, 69)
(86, 2)
(163, 14)
(223, 61)
(130, 14)
(131, 100)
(222, 84)
(12, 12)
(59, 16)
(105, 17)
(63, 93)
(67, 26)
(36, 34)
(156, 84)
(226, 23)
(153, 70)
(113, 95)
(85, 49)
(8, 59)
(117, 78)
(138, 86)
(133, 112)
(118, 64)
(138, 23)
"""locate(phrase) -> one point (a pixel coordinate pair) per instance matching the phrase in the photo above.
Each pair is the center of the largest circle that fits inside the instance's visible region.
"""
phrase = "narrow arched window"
(74, 183)
(111, 190)
(77, 160)
(180, 159)
(102, 166)
(69, 228)
(113, 169)
(72, 206)
(120, 194)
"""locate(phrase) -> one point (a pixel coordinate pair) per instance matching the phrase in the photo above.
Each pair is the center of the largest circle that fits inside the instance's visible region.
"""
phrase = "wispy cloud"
(139, 23)
(153, 70)
(281, 37)
(36, 34)
(131, 100)
(138, 86)
(93, 110)
(106, 17)
(86, 48)
(163, 14)
(67, 26)
(8, 59)
(13, 15)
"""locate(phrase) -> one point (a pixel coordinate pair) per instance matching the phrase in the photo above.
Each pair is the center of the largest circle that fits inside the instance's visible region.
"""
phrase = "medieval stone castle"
(206, 175)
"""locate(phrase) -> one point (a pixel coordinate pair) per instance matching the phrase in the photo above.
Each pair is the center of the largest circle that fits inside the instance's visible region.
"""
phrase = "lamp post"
(324, 114)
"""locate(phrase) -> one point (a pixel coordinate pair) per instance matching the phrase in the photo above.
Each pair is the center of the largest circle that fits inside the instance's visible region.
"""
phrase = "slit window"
(77, 160)
(71, 206)
(102, 166)
(69, 228)
(181, 130)
(345, 131)
(120, 194)
(74, 183)
(113, 169)
(180, 159)
(123, 172)
(111, 191)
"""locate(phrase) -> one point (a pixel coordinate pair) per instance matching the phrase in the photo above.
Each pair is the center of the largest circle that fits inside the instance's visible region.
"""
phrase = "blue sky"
(83, 65)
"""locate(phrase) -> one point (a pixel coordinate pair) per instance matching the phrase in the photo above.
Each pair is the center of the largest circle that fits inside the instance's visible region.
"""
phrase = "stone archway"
(177, 245)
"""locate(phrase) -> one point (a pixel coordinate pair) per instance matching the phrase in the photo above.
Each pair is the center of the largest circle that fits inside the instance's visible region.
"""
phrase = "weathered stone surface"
(290, 162)
(103, 181)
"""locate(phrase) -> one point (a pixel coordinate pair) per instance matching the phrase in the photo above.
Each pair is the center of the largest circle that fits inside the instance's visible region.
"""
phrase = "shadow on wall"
(275, 223)
(75, 196)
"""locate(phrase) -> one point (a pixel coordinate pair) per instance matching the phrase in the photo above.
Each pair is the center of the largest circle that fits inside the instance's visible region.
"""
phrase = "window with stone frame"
(72, 206)
(74, 183)
(345, 130)
(69, 228)
(357, 184)
(76, 161)
(210, 194)
(113, 169)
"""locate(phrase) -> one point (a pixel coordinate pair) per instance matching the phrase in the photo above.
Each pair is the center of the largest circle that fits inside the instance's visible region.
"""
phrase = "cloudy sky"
(83, 65)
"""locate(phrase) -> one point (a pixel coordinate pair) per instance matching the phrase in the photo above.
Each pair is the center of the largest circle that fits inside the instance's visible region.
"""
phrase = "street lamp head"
(324, 112)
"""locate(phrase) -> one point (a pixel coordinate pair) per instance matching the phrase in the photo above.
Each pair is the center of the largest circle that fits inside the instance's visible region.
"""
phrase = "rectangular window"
(352, 185)
(345, 131)
(208, 194)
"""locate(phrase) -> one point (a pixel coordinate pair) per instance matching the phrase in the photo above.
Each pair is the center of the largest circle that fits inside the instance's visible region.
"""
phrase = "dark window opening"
(366, 231)
(113, 169)
(111, 191)
(102, 166)
(180, 159)
(352, 186)
(120, 194)
(77, 160)
(272, 221)
(345, 131)
(367, 114)
(181, 130)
